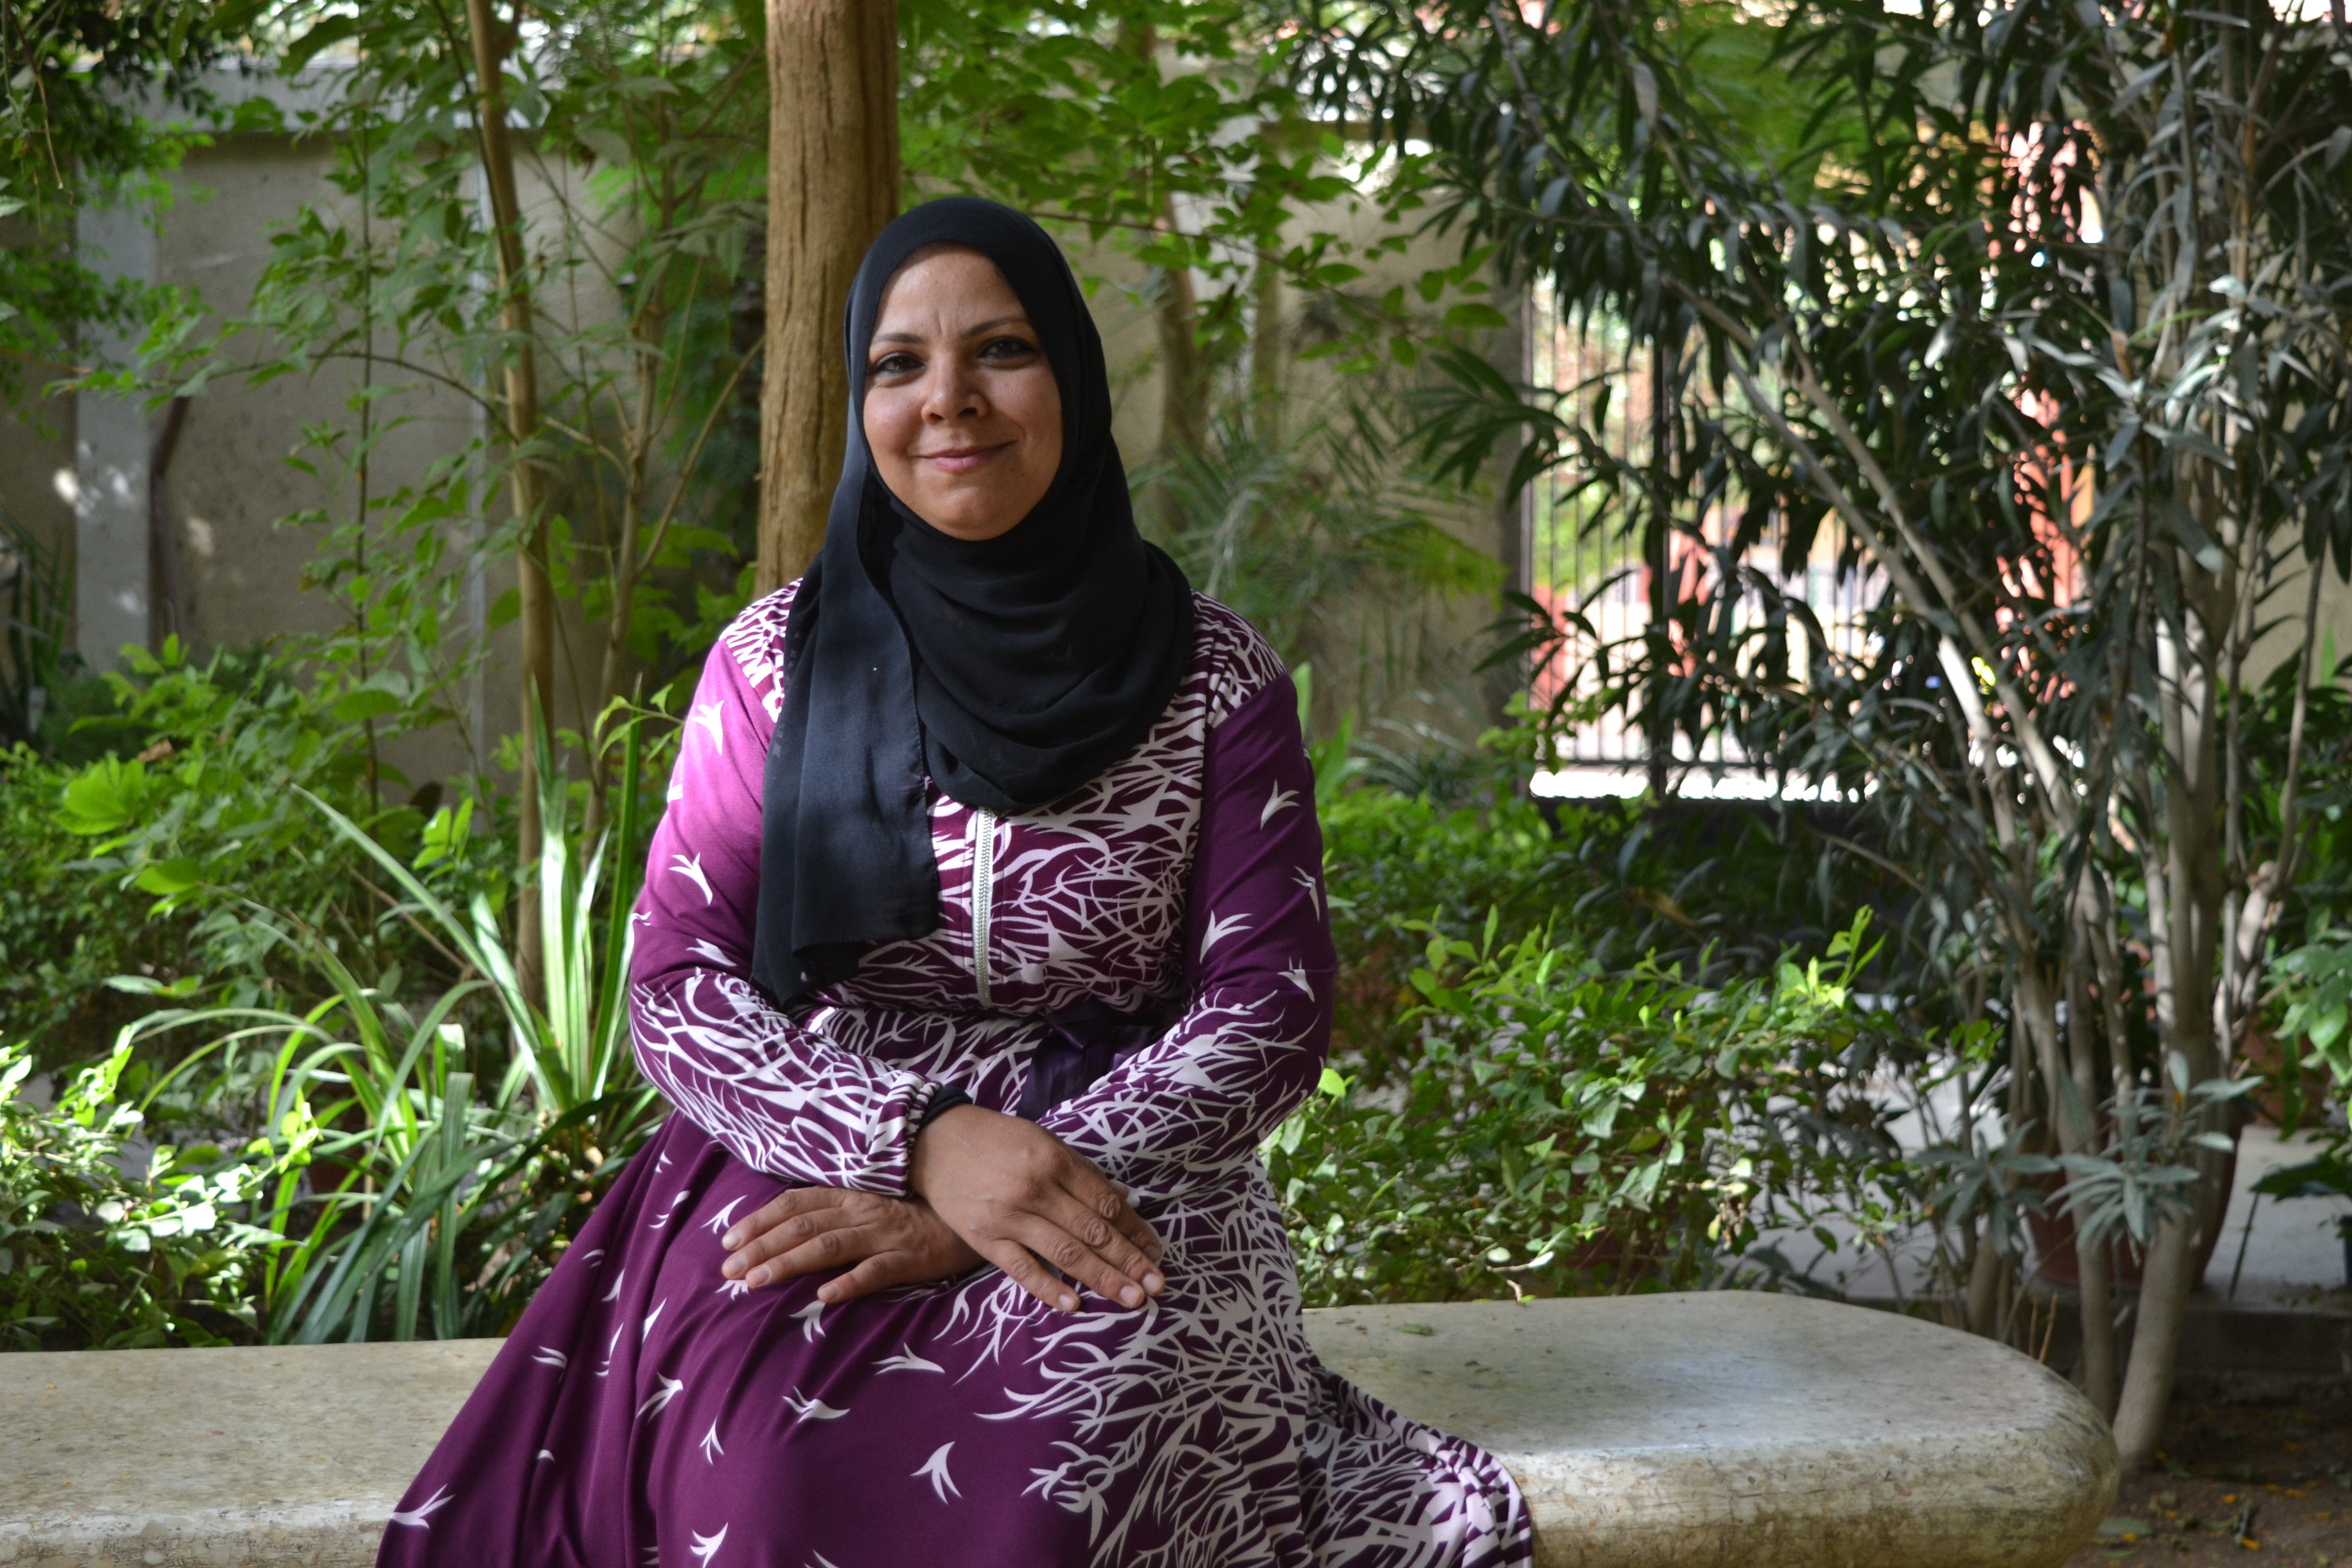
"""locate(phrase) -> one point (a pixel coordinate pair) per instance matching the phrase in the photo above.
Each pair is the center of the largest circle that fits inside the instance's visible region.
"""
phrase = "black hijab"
(1013, 670)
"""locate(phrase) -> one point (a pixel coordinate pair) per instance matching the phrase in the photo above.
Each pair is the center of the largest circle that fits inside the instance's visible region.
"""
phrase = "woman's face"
(962, 413)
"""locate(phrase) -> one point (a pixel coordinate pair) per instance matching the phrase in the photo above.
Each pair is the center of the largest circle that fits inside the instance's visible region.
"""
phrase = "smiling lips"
(961, 460)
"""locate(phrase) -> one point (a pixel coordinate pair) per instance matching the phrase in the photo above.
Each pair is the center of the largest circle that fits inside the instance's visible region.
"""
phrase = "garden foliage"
(163, 843)
(2039, 338)
(1560, 1128)
(106, 1244)
(407, 1168)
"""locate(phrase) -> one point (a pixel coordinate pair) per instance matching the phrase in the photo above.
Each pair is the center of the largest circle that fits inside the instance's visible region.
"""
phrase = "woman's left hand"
(891, 1241)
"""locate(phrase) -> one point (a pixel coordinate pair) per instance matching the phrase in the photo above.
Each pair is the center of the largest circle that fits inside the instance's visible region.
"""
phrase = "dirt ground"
(2242, 1484)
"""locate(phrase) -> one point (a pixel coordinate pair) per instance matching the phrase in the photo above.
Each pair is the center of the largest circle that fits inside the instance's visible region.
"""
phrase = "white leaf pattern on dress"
(612, 1345)
(414, 1517)
(936, 1469)
(708, 715)
(690, 867)
(808, 1409)
(659, 1401)
(1221, 929)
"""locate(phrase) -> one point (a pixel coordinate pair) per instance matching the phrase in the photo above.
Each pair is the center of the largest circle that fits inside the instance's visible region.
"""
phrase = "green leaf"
(1472, 316)
(166, 878)
(106, 797)
(446, 834)
(367, 702)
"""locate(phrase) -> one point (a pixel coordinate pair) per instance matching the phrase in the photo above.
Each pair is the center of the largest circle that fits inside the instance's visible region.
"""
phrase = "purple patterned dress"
(646, 1411)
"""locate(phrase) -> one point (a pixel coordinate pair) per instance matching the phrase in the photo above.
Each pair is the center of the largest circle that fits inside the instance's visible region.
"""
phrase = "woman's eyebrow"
(988, 326)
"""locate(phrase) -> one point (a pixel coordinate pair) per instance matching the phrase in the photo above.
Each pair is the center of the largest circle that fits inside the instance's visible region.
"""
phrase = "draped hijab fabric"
(1009, 670)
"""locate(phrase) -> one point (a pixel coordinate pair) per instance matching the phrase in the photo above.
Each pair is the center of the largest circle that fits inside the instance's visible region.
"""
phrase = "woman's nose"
(953, 395)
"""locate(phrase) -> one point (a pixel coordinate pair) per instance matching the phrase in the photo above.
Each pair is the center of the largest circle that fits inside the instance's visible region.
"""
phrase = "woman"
(980, 945)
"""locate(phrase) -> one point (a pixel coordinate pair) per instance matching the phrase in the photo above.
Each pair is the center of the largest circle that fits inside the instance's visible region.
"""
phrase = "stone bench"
(1730, 1429)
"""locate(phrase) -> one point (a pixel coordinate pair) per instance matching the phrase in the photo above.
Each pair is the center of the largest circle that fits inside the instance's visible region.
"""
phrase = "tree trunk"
(2091, 1273)
(833, 185)
(1657, 553)
(1265, 348)
(2156, 1340)
(1181, 392)
(2185, 878)
(533, 588)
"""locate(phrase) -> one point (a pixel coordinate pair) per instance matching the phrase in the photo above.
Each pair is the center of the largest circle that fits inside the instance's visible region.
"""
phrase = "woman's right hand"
(1017, 1194)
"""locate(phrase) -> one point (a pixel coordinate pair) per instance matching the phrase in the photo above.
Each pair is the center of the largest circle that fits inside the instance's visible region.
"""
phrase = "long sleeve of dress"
(1260, 965)
(776, 1095)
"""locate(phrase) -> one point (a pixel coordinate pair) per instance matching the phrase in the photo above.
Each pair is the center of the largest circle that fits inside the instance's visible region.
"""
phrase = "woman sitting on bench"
(980, 946)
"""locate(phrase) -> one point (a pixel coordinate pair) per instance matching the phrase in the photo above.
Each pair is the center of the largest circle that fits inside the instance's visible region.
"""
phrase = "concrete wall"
(36, 468)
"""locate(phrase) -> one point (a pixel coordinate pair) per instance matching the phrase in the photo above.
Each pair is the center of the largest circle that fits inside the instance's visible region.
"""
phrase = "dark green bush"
(1557, 1129)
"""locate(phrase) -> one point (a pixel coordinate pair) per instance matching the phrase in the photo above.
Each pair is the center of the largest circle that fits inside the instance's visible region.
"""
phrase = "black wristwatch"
(947, 1097)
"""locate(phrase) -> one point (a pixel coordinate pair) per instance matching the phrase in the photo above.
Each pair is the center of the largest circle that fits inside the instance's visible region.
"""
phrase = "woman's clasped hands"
(982, 1186)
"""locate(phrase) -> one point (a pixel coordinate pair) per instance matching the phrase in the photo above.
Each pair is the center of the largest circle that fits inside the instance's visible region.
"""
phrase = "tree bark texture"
(1182, 392)
(833, 185)
(1266, 347)
(534, 589)
(2155, 1342)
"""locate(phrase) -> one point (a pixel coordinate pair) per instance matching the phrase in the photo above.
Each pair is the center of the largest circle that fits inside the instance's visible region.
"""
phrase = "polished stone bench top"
(1721, 1430)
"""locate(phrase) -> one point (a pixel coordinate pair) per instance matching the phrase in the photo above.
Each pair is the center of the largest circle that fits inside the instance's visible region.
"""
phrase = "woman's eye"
(1001, 349)
(895, 365)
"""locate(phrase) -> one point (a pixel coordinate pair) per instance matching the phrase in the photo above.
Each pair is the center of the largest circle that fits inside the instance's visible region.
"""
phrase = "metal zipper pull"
(983, 891)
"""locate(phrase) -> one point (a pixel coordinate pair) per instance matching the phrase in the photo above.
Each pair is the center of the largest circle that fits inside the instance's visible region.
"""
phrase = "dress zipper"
(983, 891)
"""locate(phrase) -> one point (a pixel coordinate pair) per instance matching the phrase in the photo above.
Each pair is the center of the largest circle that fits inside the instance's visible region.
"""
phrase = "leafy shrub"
(1402, 869)
(409, 1166)
(2312, 996)
(1718, 890)
(62, 932)
(1559, 1129)
(145, 866)
(94, 1256)
(207, 817)
(432, 1174)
